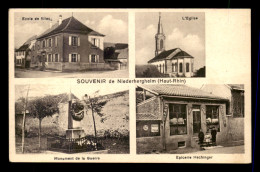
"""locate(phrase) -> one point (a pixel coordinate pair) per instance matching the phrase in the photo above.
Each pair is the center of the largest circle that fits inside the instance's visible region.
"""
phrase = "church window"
(161, 44)
(187, 67)
(163, 68)
(180, 67)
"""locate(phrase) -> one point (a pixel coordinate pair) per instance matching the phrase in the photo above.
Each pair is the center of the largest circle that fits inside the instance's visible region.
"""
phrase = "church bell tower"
(159, 38)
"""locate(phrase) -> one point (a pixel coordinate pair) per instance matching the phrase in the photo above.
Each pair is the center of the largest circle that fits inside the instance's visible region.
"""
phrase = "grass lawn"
(114, 146)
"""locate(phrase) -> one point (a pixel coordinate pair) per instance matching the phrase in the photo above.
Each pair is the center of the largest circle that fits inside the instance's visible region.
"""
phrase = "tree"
(109, 53)
(200, 72)
(43, 107)
(152, 72)
(96, 105)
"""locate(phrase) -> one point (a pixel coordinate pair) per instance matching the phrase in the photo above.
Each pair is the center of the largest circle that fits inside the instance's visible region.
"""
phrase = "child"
(207, 138)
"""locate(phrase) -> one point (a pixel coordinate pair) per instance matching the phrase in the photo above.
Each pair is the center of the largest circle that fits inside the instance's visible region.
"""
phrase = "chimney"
(60, 19)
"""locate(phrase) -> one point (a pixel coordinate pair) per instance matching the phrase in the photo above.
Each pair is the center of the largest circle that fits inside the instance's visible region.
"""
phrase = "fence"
(83, 144)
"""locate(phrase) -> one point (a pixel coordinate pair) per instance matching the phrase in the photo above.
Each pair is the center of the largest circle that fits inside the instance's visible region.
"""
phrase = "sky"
(188, 35)
(39, 90)
(113, 25)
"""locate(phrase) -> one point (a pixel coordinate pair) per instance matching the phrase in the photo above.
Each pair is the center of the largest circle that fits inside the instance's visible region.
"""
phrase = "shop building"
(170, 117)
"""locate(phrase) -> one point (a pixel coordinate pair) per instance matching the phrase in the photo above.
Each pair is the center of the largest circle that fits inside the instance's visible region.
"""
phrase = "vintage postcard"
(130, 85)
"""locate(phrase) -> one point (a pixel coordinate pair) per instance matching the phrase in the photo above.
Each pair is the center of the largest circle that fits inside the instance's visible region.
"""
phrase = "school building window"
(212, 117)
(74, 40)
(49, 58)
(95, 42)
(178, 119)
(93, 58)
(73, 57)
(147, 128)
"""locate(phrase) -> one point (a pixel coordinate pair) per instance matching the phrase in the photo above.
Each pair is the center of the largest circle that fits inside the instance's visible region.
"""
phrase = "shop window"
(147, 128)
(212, 117)
(178, 119)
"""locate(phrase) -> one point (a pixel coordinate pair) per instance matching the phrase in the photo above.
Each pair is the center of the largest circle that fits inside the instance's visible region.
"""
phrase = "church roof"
(70, 25)
(170, 54)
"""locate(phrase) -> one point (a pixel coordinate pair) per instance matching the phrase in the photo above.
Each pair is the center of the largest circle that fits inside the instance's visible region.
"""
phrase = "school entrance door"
(196, 119)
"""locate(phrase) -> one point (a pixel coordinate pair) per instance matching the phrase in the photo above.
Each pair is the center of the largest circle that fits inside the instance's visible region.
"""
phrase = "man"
(201, 137)
(213, 135)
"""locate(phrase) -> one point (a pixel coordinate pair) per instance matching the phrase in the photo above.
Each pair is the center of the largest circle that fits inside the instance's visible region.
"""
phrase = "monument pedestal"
(75, 133)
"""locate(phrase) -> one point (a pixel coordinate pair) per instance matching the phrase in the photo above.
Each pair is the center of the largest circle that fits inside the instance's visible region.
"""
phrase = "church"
(174, 62)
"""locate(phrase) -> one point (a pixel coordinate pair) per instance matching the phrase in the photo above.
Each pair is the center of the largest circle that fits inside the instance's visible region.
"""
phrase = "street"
(223, 150)
(23, 73)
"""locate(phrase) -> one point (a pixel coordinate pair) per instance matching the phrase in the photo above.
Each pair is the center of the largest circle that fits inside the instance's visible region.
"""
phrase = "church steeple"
(159, 38)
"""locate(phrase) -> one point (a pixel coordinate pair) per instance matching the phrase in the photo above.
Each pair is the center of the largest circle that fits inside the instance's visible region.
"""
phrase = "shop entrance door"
(196, 120)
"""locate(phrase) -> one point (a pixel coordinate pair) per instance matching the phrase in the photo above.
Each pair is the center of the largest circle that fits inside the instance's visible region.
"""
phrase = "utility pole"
(24, 115)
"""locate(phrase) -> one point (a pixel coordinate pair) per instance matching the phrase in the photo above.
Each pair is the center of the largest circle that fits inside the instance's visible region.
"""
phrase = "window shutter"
(56, 41)
(78, 57)
(69, 40)
(51, 43)
(98, 41)
(90, 58)
(69, 57)
(97, 59)
(58, 57)
(78, 41)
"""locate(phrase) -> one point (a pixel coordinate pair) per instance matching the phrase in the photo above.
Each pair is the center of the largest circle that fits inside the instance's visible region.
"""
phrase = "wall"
(148, 144)
(84, 49)
(116, 112)
(158, 63)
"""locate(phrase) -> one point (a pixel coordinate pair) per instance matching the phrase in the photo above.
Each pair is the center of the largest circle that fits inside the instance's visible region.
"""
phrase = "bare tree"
(96, 105)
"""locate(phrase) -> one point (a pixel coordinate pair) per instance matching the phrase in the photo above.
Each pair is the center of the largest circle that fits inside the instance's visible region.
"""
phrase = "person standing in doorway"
(213, 135)
(201, 137)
